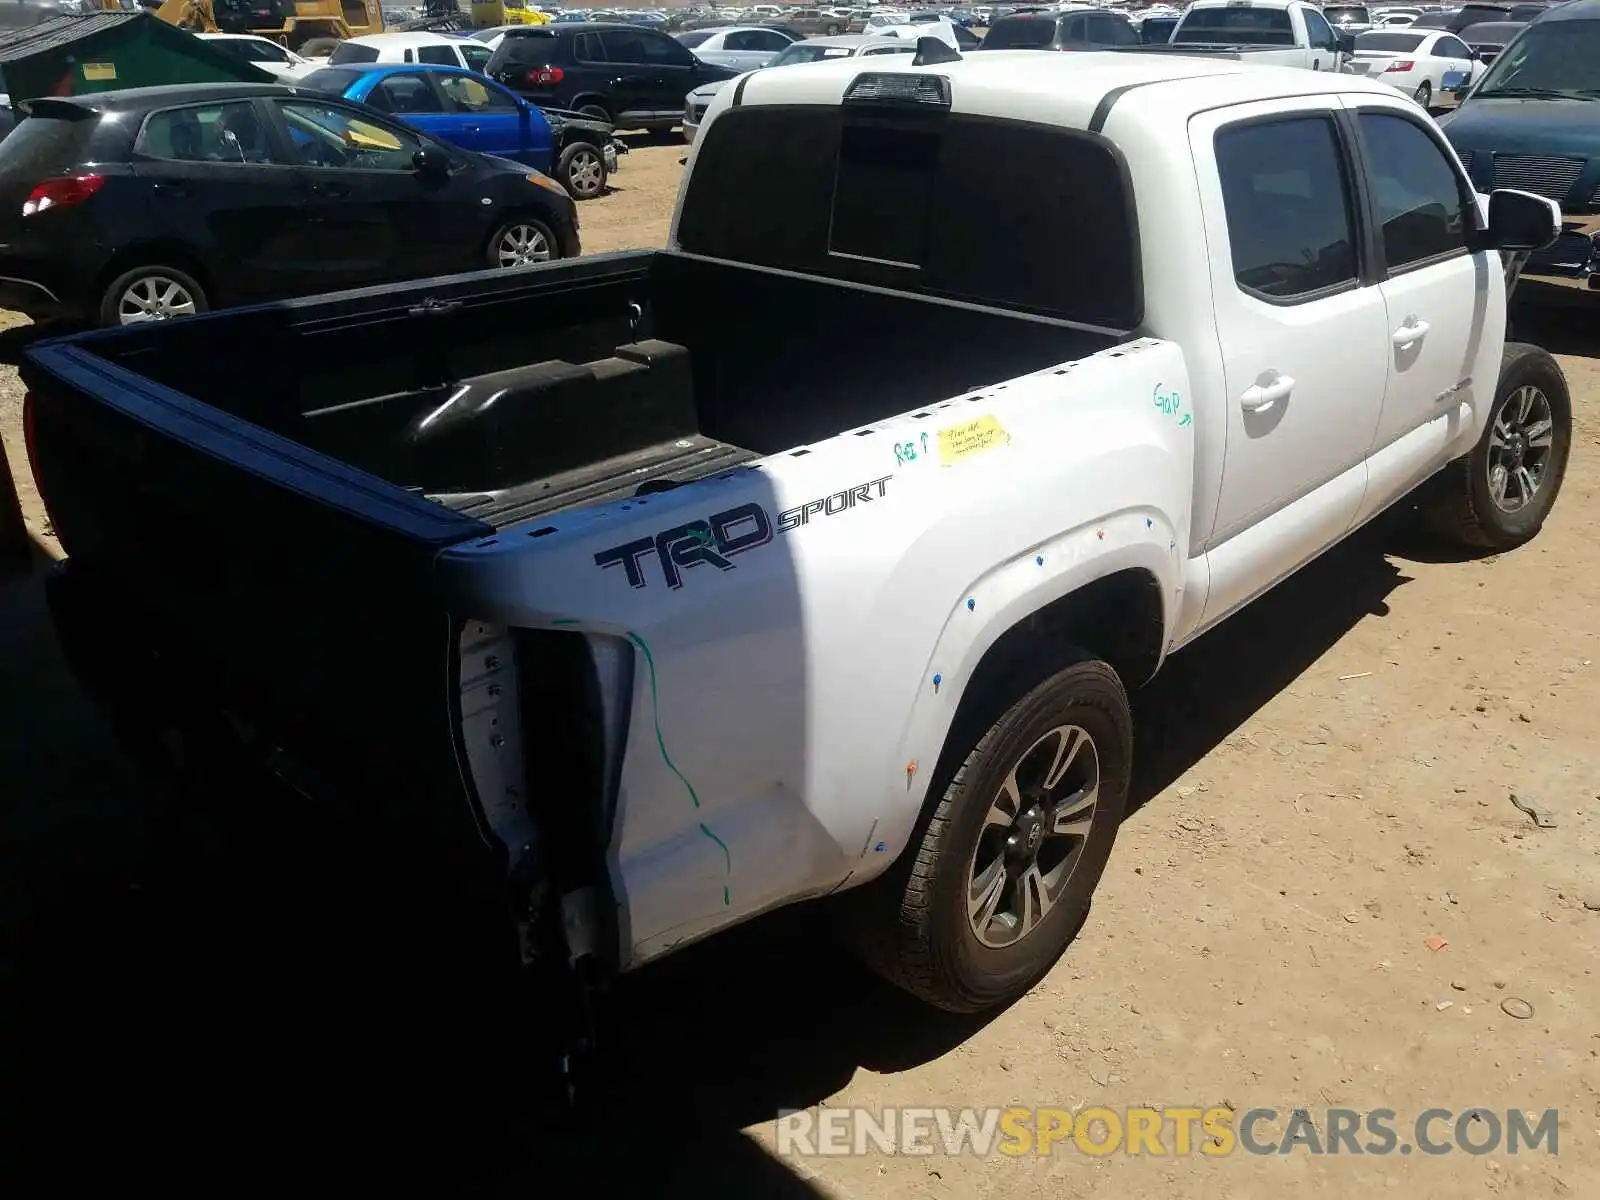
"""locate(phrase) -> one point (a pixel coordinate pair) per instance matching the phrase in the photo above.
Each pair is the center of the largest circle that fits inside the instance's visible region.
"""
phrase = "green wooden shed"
(108, 51)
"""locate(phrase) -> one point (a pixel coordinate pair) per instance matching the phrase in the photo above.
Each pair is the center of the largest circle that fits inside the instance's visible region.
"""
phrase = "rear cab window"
(1021, 33)
(352, 52)
(1235, 27)
(889, 201)
(1400, 43)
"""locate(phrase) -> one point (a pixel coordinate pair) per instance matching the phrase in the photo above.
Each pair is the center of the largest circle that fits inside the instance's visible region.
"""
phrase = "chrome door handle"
(1412, 332)
(1259, 397)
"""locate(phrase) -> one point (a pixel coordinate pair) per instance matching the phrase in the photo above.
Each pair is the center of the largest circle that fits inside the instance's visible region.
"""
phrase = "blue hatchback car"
(464, 108)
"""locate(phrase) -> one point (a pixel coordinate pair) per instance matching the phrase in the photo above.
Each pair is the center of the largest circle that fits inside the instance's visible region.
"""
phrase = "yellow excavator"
(294, 23)
(291, 23)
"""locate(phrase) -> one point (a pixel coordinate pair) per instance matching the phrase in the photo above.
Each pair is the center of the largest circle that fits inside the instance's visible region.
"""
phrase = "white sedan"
(1414, 60)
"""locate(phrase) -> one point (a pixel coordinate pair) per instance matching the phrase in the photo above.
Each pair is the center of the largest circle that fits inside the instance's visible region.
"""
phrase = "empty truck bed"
(505, 397)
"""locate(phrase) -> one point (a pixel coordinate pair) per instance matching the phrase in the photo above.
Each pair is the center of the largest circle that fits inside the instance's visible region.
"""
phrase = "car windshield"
(1235, 27)
(1400, 42)
(1559, 59)
(1346, 14)
(805, 52)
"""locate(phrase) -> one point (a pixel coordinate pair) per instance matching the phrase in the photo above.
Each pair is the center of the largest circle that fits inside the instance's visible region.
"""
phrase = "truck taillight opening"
(544, 76)
(1405, 64)
(61, 193)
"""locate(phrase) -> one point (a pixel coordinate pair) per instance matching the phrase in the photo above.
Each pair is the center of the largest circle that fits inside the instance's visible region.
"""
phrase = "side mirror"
(1521, 220)
(431, 160)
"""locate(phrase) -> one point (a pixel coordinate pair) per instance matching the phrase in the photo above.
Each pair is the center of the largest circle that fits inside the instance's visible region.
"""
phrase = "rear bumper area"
(26, 294)
(195, 732)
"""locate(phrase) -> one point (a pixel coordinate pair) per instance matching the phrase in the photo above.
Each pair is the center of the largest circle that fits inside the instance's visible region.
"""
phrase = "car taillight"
(58, 193)
(1405, 64)
(544, 76)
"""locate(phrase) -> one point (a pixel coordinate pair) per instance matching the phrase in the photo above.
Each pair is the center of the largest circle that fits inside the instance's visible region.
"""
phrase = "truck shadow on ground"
(277, 1006)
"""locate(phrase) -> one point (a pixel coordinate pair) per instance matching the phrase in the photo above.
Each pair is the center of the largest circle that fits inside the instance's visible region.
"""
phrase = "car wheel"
(582, 171)
(1424, 93)
(1498, 496)
(984, 901)
(595, 112)
(522, 242)
(834, 31)
(151, 293)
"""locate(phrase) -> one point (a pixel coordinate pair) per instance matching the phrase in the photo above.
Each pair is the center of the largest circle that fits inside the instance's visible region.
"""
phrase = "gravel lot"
(1323, 784)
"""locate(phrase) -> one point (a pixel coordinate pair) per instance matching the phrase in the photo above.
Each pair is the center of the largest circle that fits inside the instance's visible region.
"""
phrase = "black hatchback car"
(165, 201)
(632, 77)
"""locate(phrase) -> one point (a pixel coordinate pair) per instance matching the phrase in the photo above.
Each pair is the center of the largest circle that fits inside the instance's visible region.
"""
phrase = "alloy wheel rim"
(522, 245)
(1033, 836)
(1520, 442)
(584, 172)
(154, 298)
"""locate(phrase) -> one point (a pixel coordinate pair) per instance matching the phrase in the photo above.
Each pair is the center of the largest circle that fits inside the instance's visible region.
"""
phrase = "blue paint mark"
(1187, 419)
(971, 605)
(880, 848)
(1039, 561)
(1148, 522)
(937, 680)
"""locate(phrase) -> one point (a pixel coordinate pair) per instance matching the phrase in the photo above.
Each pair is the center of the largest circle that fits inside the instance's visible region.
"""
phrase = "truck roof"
(1070, 90)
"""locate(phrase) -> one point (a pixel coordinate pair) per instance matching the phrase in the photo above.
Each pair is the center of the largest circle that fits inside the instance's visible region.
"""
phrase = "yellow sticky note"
(99, 72)
(957, 442)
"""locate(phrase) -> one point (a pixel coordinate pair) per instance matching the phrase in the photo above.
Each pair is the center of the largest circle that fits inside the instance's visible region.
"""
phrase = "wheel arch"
(156, 253)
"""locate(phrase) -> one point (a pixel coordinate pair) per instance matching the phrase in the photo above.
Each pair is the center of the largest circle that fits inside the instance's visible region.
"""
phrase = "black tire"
(582, 170)
(1465, 508)
(913, 925)
(161, 285)
(1424, 93)
(596, 112)
(534, 225)
(834, 31)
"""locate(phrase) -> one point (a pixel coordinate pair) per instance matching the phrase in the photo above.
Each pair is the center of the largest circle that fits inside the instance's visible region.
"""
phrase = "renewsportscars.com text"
(1159, 1132)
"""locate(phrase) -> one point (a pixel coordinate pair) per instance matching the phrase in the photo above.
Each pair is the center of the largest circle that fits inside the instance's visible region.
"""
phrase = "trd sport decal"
(717, 539)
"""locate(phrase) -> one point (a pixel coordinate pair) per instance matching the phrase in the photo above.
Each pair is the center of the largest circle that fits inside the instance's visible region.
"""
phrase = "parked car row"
(152, 203)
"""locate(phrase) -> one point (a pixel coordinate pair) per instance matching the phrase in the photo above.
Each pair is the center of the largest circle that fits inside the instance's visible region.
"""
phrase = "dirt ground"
(1323, 785)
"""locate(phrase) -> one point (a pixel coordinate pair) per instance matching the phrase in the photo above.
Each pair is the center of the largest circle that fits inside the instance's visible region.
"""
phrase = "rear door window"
(1291, 223)
(404, 94)
(219, 133)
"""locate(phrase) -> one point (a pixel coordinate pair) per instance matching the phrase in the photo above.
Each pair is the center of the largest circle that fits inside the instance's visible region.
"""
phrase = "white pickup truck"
(1269, 33)
(655, 598)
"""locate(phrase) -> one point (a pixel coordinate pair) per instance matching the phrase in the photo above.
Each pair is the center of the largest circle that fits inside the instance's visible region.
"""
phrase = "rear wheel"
(986, 899)
(151, 293)
(582, 171)
(595, 112)
(1424, 93)
(522, 242)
